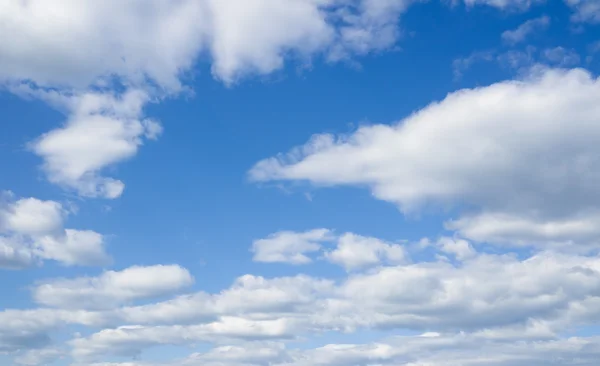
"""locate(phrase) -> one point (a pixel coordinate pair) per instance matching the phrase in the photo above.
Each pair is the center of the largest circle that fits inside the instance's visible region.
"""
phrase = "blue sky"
(299, 182)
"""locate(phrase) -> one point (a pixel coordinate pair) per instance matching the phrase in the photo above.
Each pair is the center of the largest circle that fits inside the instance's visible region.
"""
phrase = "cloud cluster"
(103, 66)
(518, 160)
(31, 230)
(508, 151)
(351, 251)
(585, 10)
(492, 298)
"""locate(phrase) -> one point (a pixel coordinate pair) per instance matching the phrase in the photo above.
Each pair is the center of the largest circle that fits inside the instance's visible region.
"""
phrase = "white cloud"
(31, 230)
(355, 252)
(459, 248)
(251, 295)
(31, 216)
(576, 233)
(524, 30)
(101, 130)
(429, 349)
(131, 340)
(14, 254)
(30, 329)
(146, 48)
(512, 148)
(290, 247)
(496, 297)
(86, 42)
(73, 247)
(113, 288)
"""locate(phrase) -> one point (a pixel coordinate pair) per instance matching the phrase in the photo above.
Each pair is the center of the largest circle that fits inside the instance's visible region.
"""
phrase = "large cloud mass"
(522, 155)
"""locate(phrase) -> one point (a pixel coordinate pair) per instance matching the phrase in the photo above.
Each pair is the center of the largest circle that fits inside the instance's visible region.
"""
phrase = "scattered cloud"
(517, 161)
(460, 65)
(521, 33)
(562, 57)
(585, 10)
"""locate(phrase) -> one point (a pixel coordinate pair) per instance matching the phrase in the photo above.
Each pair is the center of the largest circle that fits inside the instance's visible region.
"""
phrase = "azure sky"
(299, 182)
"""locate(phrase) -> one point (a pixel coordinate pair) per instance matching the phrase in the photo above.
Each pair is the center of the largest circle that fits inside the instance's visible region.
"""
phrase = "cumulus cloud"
(511, 149)
(576, 233)
(30, 216)
(113, 288)
(348, 250)
(87, 42)
(355, 252)
(87, 53)
(101, 130)
(253, 296)
(524, 30)
(290, 247)
(486, 296)
(31, 230)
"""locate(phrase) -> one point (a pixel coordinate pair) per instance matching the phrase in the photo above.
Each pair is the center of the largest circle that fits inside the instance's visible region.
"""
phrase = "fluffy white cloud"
(511, 148)
(481, 291)
(255, 297)
(87, 42)
(31, 230)
(524, 30)
(355, 252)
(14, 254)
(101, 130)
(576, 233)
(496, 297)
(113, 288)
(290, 247)
(458, 248)
(351, 251)
(30, 216)
(147, 47)
(73, 247)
